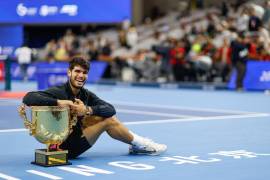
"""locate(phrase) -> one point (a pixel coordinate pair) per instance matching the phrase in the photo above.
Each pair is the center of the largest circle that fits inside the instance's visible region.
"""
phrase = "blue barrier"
(17, 75)
(257, 76)
(50, 74)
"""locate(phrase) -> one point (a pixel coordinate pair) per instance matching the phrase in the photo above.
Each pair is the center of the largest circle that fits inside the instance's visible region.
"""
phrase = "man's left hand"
(79, 107)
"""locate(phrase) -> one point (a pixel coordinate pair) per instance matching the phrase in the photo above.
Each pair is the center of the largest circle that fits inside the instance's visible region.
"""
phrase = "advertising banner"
(68, 11)
(50, 74)
(257, 76)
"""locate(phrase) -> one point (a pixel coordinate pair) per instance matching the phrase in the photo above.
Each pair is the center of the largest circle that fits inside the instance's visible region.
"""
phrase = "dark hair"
(79, 61)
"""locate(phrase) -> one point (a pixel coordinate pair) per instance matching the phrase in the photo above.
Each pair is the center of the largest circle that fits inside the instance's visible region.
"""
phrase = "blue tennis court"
(210, 135)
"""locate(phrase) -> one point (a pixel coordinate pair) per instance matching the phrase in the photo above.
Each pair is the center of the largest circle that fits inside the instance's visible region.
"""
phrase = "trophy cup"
(50, 125)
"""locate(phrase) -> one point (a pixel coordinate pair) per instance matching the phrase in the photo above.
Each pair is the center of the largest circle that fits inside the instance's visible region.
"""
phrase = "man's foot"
(240, 89)
(148, 147)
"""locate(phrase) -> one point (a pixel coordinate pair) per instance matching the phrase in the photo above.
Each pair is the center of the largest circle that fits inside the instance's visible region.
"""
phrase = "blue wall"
(11, 37)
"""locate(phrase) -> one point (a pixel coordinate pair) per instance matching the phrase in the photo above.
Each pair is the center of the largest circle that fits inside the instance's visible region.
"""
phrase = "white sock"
(137, 140)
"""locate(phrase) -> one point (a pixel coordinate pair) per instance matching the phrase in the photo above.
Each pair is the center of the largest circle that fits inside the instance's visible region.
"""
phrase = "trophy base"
(51, 158)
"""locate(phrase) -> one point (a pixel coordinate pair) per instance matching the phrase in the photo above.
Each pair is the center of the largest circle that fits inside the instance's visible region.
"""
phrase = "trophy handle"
(27, 123)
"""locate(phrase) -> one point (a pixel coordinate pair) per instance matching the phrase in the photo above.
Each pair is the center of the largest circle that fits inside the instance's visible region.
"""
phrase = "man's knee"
(111, 122)
(107, 122)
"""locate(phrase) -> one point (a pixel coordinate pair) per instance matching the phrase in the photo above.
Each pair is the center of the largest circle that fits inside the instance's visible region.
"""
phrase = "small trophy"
(50, 125)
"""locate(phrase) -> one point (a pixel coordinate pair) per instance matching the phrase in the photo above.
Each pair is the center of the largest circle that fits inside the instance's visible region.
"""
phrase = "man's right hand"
(64, 102)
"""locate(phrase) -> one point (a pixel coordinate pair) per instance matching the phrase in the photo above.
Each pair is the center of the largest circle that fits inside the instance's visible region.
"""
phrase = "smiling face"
(77, 77)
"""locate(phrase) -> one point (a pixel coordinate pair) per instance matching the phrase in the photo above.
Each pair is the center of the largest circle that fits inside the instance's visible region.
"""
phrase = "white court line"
(158, 106)
(153, 113)
(13, 130)
(197, 119)
(181, 107)
(164, 121)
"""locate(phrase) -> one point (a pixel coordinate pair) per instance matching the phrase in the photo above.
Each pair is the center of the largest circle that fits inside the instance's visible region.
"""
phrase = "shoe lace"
(149, 143)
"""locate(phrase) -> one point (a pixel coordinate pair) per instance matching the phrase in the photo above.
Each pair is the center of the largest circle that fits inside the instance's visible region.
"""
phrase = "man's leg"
(94, 126)
(241, 72)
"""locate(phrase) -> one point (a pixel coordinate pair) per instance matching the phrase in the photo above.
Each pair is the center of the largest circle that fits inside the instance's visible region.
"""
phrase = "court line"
(13, 130)
(196, 119)
(182, 108)
(14, 102)
(153, 113)
(164, 121)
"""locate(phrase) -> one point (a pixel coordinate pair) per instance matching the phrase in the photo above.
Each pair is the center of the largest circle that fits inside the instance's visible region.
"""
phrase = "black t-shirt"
(239, 52)
(63, 92)
(254, 23)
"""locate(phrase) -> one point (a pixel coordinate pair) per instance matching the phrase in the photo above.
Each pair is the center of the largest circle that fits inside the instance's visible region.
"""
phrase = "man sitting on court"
(95, 116)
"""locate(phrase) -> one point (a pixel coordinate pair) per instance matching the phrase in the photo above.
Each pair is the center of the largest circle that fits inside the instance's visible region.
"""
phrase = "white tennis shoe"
(147, 147)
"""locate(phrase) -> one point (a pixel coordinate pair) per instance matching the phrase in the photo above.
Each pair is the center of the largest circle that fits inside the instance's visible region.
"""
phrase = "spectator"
(177, 61)
(122, 38)
(50, 49)
(61, 53)
(222, 63)
(93, 52)
(266, 15)
(239, 59)
(132, 37)
(69, 39)
(264, 38)
(254, 21)
(242, 21)
(23, 55)
(224, 9)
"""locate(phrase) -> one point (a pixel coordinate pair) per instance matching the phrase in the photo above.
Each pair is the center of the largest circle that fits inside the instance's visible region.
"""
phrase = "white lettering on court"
(131, 165)
(85, 170)
(238, 154)
(188, 160)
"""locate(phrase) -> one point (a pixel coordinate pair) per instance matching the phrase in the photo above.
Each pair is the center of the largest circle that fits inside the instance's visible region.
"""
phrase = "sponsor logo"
(57, 79)
(265, 76)
(46, 10)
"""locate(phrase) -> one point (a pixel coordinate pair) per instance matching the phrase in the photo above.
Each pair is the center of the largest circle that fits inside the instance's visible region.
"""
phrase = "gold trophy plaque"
(50, 125)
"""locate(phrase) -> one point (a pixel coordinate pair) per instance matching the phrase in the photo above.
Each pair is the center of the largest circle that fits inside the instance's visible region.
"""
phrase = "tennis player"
(95, 116)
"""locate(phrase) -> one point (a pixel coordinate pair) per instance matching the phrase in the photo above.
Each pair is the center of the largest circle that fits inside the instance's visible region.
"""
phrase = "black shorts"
(76, 144)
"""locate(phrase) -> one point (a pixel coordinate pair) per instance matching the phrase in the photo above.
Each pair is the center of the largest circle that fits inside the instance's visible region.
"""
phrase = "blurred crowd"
(202, 45)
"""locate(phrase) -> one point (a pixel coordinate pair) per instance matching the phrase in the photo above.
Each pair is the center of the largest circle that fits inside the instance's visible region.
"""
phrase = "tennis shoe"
(147, 147)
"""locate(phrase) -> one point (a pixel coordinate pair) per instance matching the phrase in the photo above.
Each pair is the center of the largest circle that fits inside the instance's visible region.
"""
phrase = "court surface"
(211, 135)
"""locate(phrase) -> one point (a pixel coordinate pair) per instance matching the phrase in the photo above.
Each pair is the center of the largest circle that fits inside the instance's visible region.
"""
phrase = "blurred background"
(172, 43)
